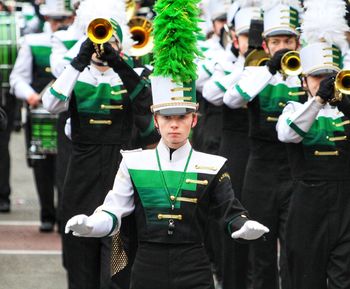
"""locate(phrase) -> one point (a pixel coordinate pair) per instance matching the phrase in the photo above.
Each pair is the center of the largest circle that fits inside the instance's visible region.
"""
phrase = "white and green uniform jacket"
(31, 72)
(319, 140)
(214, 55)
(266, 96)
(204, 186)
(62, 41)
(225, 75)
(102, 107)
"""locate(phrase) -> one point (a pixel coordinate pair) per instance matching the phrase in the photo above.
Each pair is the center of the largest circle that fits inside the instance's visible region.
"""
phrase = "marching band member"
(63, 40)
(104, 96)
(30, 75)
(171, 188)
(317, 133)
(208, 133)
(8, 104)
(267, 184)
(224, 75)
(234, 139)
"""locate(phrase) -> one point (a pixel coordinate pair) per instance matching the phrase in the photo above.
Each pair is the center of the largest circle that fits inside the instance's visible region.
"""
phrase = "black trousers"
(90, 175)
(5, 189)
(87, 261)
(318, 235)
(234, 147)
(44, 174)
(266, 194)
(168, 266)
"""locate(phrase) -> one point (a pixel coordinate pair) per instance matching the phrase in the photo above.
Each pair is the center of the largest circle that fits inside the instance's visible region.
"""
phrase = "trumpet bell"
(291, 64)
(342, 82)
(257, 57)
(99, 30)
(140, 29)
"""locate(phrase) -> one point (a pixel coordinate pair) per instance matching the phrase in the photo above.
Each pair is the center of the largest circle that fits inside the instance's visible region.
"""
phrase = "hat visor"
(57, 17)
(221, 17)
(281, 32)
(175, 111)
(323, 71)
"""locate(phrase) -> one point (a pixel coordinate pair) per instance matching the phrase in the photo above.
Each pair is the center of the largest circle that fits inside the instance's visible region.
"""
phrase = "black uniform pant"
(88, 262)
(91, 173)
(169, 266)
(234, 147)
(266, 194)
(5, 188)
(318, 235)
(44, 174)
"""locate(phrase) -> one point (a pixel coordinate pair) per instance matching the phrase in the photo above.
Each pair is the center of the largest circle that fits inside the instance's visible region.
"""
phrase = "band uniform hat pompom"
(323, 37)
(175, 50)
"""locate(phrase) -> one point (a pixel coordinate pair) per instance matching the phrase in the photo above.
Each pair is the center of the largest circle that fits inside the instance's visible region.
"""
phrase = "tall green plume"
(175, 39)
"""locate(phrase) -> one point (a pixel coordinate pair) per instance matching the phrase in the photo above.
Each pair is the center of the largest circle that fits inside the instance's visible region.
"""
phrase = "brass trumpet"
(341, 85)
(257, 57)
(140, 29)
(99, 30)
(291, 64)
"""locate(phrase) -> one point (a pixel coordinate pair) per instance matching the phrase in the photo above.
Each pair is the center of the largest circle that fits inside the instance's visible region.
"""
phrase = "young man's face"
(312, 83)
(275, 43)
(175, 129)
(217, 26)
(95, 58)
(241, 43)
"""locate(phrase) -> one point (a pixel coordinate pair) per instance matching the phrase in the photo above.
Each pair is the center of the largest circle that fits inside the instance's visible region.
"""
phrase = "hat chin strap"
(99, 63)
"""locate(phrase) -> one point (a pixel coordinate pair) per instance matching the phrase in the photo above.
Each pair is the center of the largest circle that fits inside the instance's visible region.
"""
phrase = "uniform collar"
(95, 72)
(179, 154)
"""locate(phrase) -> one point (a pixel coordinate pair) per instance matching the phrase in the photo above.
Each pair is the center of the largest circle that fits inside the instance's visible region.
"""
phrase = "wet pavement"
(28, 259)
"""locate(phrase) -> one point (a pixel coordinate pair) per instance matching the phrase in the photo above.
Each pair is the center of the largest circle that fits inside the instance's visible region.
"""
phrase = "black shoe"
(46, 227)
(5, 207)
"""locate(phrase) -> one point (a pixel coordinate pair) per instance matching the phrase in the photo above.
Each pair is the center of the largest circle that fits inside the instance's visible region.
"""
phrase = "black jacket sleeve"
(140, 94)
(224, 205)
(344, 105)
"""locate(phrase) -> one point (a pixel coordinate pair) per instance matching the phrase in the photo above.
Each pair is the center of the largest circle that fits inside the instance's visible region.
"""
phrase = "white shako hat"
(171, 97)
(56, 8)
(112, 10)
(323, 36)
(248, 10)
(218, 9)
(281, 17)
(175, 50)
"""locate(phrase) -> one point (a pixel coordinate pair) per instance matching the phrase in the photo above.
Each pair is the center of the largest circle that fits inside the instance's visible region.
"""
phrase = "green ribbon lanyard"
(172, 198)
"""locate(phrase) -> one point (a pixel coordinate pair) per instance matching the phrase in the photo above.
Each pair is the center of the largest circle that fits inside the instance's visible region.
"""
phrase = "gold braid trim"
(173, 104)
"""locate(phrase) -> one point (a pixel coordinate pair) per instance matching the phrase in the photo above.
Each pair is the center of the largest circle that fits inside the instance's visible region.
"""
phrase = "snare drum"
(9, 34)
(43, 135)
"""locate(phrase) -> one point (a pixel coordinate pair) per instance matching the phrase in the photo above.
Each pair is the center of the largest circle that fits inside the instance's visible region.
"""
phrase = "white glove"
(97, 225)
(68, 129)
(78, 225)
(251, 230)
